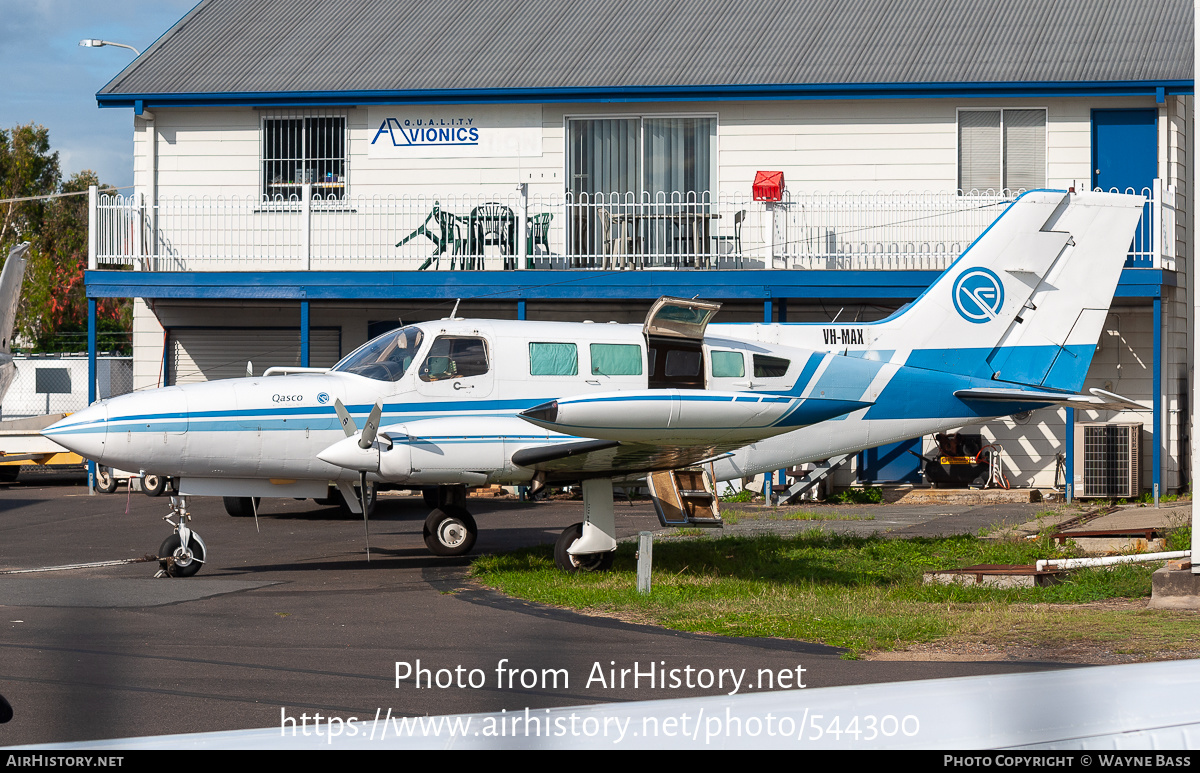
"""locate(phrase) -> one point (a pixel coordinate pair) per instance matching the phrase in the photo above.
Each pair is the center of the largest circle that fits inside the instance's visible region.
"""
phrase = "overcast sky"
(49, 79)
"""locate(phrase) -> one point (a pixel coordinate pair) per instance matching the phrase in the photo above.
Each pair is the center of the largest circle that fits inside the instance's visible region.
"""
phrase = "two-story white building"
(308, 173)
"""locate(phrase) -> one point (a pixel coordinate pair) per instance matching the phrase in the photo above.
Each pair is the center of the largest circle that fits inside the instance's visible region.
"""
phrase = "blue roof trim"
(694, 93)
(546, 285)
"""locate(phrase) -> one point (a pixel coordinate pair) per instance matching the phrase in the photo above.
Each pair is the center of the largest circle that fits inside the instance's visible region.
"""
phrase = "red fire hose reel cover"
(768, 186)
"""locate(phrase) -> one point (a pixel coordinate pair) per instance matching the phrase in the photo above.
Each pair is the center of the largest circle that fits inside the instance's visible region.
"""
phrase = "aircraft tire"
(154, 485)
(240, 507)
(106, 482)
(9, 472)
(590, 562)
(450, 531)
(188, 566)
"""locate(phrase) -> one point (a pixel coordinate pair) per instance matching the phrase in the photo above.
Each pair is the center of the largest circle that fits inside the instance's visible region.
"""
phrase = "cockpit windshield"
(385, 358)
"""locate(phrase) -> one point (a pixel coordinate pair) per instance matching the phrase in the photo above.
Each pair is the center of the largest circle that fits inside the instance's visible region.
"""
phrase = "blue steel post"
(91, 466)
(1156, 392)
(1069, 489)
(522, 491)
(768, 313)
(304, 334)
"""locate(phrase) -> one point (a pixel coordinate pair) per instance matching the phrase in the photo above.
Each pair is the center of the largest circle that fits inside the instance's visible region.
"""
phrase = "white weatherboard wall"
(848, 146)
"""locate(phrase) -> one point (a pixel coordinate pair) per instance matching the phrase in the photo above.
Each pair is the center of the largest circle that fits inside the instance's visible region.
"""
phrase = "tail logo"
(978, 295)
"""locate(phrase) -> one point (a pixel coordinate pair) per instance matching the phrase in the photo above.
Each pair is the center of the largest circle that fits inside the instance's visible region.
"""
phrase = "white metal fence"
(837, 231)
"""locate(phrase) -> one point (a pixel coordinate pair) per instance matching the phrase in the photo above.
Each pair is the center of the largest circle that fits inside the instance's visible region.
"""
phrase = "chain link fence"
(58, 383)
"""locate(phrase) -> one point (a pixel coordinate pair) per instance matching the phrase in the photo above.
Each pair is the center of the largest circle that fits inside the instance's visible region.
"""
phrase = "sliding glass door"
(637, 185)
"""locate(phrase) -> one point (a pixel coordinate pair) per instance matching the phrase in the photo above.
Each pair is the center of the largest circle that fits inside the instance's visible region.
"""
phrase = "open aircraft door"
(674, 331)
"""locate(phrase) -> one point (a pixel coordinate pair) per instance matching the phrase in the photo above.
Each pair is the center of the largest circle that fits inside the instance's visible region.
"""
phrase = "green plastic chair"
(537, 232)
(446, 237)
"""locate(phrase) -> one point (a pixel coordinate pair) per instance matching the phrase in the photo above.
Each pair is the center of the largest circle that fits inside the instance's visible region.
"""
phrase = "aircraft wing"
(685, 417)
(636, 432)
(613, 458)
(1098, 400)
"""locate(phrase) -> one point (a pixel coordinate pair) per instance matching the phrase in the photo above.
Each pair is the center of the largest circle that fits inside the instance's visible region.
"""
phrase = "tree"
(53, 311)
(27, 168)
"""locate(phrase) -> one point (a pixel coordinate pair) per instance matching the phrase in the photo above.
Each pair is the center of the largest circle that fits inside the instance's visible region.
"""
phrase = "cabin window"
(303, 150)
(616, 360)
(549, 359)
(1001, 149)
(385, 358)
(455, 357)
(728, 365)
(770, 367)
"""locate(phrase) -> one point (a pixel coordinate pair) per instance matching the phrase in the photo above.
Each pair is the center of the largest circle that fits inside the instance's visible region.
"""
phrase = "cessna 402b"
(1009, 327)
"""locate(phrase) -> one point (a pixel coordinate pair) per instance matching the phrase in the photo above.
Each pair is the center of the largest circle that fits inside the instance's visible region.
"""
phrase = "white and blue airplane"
(1011, 326)
(10, 295)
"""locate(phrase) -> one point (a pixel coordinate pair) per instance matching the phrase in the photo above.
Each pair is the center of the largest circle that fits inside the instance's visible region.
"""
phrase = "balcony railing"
(837, 231)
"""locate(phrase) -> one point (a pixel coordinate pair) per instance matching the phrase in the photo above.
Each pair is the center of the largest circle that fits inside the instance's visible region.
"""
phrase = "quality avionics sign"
(475, 131)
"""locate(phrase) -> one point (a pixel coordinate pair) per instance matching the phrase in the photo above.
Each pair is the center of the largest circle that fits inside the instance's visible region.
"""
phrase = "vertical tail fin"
(1026, 302)
(10, 292)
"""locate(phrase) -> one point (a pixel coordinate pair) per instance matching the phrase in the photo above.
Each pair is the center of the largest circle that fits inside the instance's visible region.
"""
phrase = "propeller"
(369, 430)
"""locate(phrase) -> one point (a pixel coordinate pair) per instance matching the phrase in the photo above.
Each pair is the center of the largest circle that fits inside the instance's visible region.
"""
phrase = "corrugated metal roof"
(306, 46)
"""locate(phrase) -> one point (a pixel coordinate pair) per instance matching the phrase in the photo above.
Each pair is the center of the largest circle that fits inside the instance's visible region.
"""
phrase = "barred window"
(303, 150)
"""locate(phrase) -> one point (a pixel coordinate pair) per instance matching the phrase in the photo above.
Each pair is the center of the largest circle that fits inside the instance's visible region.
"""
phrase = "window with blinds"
(300, 150)
(1001, 149)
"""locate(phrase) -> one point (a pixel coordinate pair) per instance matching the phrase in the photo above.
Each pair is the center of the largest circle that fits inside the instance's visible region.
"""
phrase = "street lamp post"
(97, 43)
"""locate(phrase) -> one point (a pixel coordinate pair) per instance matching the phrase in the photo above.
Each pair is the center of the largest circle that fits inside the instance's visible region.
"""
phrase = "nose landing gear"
(183, 553)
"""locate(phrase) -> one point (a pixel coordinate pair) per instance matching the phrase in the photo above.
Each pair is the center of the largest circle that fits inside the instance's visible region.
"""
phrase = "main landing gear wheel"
(450, 531)
(154, 485)
(106, 483)
(240, 507)
(584, 562)
(9, 472)
(178, 562)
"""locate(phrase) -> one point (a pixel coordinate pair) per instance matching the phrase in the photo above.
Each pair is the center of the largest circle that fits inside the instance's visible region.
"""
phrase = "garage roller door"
(207, 354)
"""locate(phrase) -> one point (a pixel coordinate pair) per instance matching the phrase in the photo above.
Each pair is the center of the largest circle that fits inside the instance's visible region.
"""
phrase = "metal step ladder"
(685, 497)
(812, 478)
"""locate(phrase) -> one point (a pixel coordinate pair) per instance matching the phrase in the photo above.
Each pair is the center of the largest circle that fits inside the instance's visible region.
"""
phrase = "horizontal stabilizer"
(1098, 400)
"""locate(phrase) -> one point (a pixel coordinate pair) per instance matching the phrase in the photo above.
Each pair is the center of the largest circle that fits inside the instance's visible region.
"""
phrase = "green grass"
(732, 515)
(745, 495)
(863, 593)
(801, 515)
(858, 496)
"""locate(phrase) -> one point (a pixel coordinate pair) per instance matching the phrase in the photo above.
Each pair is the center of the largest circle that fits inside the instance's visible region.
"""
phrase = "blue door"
(891, 463)
(1124, 156)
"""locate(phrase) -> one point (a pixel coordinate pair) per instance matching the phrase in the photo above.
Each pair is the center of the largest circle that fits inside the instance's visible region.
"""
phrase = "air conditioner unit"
(1107, 460)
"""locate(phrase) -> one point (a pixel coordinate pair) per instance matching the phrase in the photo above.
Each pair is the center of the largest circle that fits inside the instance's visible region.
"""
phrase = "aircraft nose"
(83, 432)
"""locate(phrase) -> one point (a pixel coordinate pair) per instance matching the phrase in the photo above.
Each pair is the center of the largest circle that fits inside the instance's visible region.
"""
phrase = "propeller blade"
(371, 427)
(348, 425)
(362, 494)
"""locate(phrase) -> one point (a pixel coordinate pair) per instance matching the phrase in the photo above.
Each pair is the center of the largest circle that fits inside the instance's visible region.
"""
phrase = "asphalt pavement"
(288, 618)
